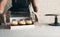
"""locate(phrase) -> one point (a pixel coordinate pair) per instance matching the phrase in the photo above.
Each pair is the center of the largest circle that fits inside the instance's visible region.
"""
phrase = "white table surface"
(38, 30)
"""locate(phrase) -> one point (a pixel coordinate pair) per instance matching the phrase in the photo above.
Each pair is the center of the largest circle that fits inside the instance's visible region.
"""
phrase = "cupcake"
(14, 22)
(28, 21)
(22, 21)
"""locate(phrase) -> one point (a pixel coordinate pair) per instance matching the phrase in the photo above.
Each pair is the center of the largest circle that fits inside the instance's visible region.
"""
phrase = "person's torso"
(20, 4)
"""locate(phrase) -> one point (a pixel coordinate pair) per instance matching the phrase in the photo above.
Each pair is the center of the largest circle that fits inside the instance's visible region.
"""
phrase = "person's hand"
(6, 23)
(1, 13)
(35, 9)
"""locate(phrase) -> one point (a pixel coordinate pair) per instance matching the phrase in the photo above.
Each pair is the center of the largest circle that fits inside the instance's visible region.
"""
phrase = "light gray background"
(39, 30)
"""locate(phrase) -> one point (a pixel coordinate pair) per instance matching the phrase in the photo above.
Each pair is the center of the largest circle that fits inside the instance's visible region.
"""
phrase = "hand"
(6, 23)
(35, 9)
(1, 13)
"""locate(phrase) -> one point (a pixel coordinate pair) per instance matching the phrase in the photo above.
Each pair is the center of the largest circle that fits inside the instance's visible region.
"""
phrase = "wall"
(48, 7)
